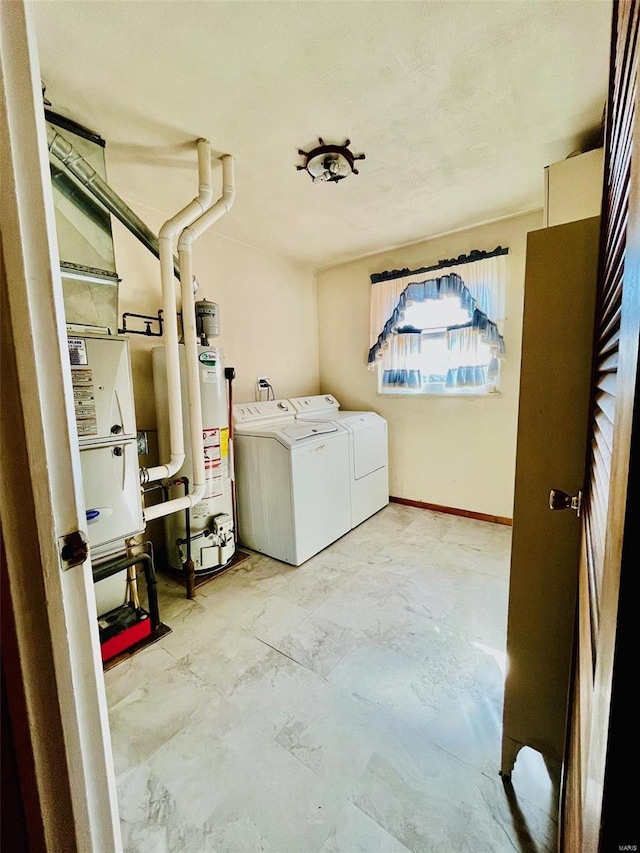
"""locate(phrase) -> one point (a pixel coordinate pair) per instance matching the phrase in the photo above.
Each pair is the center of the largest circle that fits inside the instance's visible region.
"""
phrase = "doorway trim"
(41, 498)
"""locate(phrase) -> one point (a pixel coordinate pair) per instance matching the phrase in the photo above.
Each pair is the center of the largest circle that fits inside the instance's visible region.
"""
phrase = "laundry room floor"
(351, 705)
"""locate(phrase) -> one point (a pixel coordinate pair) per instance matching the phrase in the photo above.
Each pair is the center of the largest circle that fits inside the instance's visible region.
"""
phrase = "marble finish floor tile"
(349, 705)
(334, 734)
(153, 713)
(356, 832)
(433, 803)
(316, 643)
(285, 803)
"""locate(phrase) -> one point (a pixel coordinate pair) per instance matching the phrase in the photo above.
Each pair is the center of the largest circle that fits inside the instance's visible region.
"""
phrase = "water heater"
(211, 520)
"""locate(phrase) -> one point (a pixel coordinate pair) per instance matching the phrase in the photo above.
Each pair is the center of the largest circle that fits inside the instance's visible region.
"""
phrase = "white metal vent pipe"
(185, 244)
(168, 233)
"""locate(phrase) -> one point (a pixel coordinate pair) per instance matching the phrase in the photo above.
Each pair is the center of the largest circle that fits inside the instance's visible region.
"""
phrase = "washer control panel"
(265, 411)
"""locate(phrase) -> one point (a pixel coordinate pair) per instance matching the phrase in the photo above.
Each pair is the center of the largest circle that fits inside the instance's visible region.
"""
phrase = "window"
(436, 330)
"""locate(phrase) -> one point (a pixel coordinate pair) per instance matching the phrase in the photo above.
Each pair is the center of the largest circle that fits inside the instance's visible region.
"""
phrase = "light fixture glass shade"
(327, 166)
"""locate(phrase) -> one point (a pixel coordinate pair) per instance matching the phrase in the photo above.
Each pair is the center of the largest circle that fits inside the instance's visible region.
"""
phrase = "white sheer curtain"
(402, 363)
(461, 338)
(485, 280)
(384, 298)
(472, 361)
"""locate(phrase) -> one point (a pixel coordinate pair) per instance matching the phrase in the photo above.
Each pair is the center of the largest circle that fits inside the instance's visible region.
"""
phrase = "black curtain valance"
(474, 255)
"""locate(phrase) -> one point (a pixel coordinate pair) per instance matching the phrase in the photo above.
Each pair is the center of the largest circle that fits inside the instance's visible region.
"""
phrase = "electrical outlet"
(263, 382)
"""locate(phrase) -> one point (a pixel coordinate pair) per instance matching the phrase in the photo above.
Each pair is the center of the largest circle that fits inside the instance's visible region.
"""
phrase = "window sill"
(440, 395)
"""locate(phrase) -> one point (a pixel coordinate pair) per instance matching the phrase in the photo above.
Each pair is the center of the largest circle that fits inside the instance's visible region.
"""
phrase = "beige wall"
(456, 452)
(268, 314)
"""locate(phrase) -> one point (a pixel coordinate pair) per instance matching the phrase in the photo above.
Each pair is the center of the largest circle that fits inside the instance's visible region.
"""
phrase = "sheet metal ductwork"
(91, 181)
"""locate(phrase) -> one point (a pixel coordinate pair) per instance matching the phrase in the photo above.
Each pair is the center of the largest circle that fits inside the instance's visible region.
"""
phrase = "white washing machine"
(368, 451)
(292, 481)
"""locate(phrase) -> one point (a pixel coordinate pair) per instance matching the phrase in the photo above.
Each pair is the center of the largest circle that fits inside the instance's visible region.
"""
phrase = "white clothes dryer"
(292, 481)
(368, 451)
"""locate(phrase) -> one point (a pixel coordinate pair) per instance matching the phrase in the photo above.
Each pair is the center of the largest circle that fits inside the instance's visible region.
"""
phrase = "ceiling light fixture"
(329, 163)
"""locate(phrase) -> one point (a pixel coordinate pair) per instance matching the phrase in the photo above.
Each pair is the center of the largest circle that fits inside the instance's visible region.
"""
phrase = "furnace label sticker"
(84, 401)
(78, 351)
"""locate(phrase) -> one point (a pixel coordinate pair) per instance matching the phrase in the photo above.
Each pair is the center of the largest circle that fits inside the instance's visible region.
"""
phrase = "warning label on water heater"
(214, 465)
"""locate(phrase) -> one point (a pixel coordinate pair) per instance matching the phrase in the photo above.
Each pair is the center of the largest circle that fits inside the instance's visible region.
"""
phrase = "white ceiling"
(458, 107)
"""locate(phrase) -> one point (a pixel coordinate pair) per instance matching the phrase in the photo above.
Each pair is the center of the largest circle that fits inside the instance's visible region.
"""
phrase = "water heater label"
(211, 442)
(208, 358)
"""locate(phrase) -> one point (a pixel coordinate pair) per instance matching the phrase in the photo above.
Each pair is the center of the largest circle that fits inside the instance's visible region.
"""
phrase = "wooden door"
(553, 419)
(591, 820)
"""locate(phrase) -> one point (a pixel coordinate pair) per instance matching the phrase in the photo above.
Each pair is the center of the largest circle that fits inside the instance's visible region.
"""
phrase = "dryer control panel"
(318, 404)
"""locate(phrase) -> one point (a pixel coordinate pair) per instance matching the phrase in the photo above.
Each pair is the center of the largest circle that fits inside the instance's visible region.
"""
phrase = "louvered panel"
(601, 471)
(622, 129)
(611, 326)
(624, 155)
(611, 305)
(613, 296)
(625, 93)
(616, 212)
(603, 431)
(615, 241)
(592, 559)
(607, 383)
(616, 215)
(623, 12)
(605, 427)
(621, 70)
(625, 124)
(598, 507)
(607, 403)
(592, 536)
(595, 539)
(619, 181)
(611, 345)
(602, 458)
(608, 362)
(615, 244)
(617, 226)
(598, 520)
(612, 314)
(602, 500)
(597, 526)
